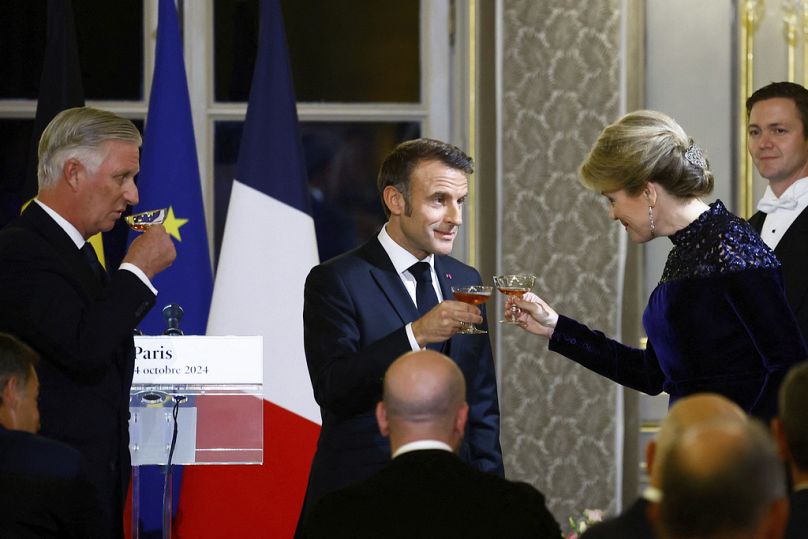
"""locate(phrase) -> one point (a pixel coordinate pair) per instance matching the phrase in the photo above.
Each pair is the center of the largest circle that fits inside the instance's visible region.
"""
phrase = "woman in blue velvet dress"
(718, 320)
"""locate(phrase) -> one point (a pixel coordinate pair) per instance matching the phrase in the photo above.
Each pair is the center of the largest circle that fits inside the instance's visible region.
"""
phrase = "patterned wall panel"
(560, 80)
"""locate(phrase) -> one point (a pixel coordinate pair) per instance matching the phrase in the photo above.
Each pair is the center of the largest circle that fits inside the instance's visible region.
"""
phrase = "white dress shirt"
(422, 444)
(79, 240)
(782, 211)
(402, 259)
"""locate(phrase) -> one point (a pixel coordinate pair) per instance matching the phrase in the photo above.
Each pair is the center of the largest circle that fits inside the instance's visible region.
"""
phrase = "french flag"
(268, 248)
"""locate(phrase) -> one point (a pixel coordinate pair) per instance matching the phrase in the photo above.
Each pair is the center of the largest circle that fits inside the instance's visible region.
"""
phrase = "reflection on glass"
(348, 51)
(342, 162)
(109, 38)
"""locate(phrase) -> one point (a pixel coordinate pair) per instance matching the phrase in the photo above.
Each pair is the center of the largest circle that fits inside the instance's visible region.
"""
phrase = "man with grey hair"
(723, 480)
(427, 491)
(685, 413)
(790, 430)
(56, 296)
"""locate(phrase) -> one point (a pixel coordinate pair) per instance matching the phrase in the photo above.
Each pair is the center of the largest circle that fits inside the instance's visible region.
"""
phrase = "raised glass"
(514, 285)
(143, 220)
(475, 295)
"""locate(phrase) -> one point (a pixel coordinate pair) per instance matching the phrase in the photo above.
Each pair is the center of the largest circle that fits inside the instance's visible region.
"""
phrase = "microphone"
(172, 313)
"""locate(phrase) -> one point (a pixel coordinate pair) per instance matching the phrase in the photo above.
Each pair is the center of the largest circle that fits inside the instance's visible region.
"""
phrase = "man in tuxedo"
(790, 429)
(723, 480)
(55, 296)
(688, 412)
(391, 295)
(41, 494)
(427, 491)
(778, 144)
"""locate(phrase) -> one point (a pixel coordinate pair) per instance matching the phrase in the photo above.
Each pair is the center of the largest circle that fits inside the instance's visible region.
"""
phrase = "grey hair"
(79, 133)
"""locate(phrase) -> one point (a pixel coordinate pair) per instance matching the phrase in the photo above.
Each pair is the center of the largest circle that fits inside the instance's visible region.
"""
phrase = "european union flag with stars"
(169, 178)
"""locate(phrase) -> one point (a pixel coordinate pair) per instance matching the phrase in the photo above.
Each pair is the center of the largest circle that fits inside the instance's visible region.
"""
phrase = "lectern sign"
(194, 360)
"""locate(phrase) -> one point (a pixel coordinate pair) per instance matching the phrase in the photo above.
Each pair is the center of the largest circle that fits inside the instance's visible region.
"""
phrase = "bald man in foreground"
(427, 491)
(687, 412)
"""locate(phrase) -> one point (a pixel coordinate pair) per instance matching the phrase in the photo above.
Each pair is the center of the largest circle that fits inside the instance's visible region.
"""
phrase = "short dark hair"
(730, 495)
(397, 167)
(786, 90)
(794, 413)
(17, 360)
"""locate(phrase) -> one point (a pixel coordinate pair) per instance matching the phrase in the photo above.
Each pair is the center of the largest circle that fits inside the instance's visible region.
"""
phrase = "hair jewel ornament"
(695, 156)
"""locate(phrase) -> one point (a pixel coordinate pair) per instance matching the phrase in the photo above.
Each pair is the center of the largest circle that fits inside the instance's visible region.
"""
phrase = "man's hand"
(152, 252)
(443, 321)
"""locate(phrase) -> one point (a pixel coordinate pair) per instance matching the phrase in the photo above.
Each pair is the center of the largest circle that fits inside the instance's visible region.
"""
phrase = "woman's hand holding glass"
(535, 315)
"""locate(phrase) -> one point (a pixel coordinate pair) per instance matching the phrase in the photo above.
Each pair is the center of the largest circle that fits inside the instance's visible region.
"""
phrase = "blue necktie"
(425, 297)
(92, 258)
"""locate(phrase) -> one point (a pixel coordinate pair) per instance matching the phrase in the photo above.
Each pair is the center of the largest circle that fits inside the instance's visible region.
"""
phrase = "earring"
(651, 219)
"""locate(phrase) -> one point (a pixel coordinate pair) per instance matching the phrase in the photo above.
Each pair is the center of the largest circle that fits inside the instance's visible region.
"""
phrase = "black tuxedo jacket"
(631, 523)
(798, 516)
(41, 494)
(51, 298)
(354, 317)
(792, 251)
(432, 493)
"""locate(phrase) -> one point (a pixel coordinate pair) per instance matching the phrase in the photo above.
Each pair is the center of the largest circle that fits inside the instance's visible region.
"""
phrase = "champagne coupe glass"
(474, 294)
(515, 286)
(143, 220)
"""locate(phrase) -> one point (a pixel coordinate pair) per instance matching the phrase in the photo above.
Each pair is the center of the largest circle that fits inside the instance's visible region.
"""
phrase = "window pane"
(15, 139)
(342, 161)
(110, 42)
(346, 51)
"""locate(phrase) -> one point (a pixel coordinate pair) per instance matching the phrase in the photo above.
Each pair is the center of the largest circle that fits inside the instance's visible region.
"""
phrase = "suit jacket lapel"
(792, 250)
(389, 282)
(76, 265)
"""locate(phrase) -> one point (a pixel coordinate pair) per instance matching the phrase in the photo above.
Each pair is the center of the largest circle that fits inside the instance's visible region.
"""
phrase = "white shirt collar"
(419, 445)
(793, 198)
(401, 258)
(69, 229)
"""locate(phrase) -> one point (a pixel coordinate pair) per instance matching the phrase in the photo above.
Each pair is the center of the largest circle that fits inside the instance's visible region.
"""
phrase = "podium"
(195, 400)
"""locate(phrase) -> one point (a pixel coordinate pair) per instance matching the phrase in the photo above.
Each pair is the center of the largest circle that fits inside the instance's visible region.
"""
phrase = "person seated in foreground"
(427, 491)
(686, 413)
(723, 480)
(40, 492)
(790, 431)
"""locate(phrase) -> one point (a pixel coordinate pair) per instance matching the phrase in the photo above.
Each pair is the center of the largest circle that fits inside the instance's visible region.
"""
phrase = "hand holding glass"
(474, 294)
(143, 220)
(515, 286)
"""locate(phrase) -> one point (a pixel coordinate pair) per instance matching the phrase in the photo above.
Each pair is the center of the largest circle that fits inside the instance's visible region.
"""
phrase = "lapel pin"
(448, 275)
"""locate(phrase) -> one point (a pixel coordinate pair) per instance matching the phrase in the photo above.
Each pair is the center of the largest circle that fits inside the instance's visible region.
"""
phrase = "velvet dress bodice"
(718, 321)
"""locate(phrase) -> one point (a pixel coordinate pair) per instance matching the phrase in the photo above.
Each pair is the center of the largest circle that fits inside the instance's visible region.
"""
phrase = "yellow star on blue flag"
(172, 224)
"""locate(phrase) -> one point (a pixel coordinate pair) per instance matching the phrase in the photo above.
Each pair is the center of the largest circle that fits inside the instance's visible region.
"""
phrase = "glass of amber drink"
(516, 286)
(475, 295)
(143, 220)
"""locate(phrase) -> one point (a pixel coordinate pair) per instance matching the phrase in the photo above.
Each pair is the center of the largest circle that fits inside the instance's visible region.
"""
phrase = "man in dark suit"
(790, 429)
(686, 413)
(55, 295)
(722, 480)
(778, 144)
(41, 494)
(366, 307)
(427, 491)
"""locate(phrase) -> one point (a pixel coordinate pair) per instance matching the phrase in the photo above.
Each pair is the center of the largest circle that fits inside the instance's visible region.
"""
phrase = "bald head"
(688, 412)
(423, 398)
(720, 479)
